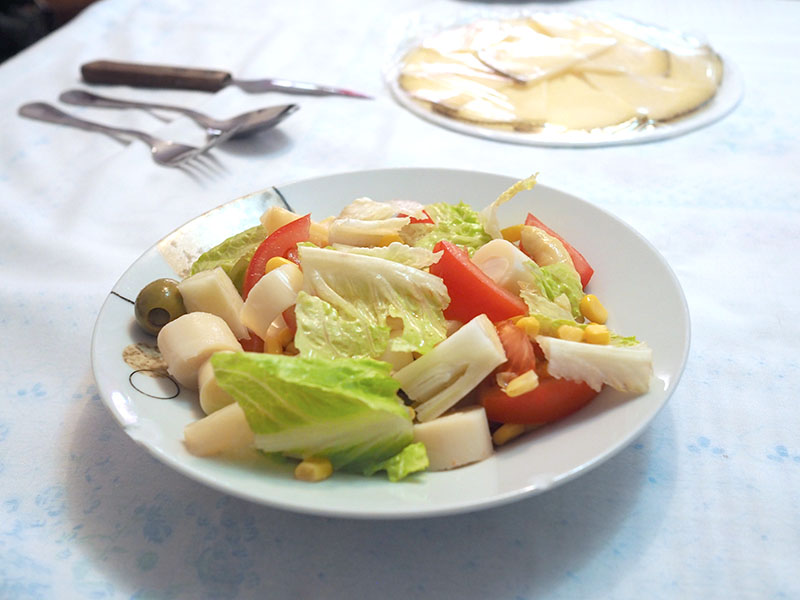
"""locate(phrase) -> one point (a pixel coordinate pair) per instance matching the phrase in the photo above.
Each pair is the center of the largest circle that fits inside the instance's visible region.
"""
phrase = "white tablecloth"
(703, 504)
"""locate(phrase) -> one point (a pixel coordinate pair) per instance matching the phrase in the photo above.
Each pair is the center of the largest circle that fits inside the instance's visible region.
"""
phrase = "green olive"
(157, 304)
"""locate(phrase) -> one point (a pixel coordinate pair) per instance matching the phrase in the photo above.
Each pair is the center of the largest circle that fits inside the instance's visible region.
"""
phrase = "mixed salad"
(393, 337)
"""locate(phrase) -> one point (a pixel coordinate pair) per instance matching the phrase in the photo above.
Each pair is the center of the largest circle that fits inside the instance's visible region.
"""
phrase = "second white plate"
(414, 29)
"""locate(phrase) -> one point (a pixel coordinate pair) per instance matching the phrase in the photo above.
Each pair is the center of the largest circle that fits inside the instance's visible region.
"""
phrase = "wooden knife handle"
(155, 76)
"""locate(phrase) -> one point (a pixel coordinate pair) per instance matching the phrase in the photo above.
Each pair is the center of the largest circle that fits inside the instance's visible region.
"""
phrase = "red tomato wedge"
(518, 347)
(552, 400)
(279, 243)
(290, 319)
(581, 264)
(471, 291)
(254, 344)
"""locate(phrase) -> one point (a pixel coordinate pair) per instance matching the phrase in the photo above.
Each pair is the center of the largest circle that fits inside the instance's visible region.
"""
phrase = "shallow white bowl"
(635, 283)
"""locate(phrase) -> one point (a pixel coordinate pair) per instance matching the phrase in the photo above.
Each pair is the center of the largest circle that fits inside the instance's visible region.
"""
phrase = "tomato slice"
(291, 319)
(552, 400)
(582, 266)
(254, 344)
(472, 292)
(278, 243)
(518, 347)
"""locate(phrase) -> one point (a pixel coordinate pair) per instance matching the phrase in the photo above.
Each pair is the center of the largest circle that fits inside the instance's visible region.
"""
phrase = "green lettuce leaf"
(367, 296)
(457, 223)
(323, 333)
(559, 278)
(233, 254)
(413, 256)
(345, 410)
(410, 459)
(550, 315)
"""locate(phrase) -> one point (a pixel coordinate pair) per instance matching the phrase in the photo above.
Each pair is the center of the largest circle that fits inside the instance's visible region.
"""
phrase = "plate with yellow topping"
(561, 79)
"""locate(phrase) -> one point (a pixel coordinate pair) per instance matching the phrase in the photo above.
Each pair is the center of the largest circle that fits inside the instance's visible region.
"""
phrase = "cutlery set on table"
(165, 152)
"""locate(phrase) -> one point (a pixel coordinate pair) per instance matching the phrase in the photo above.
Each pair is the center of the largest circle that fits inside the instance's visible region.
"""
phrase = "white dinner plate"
(634, 282)
(413, 30)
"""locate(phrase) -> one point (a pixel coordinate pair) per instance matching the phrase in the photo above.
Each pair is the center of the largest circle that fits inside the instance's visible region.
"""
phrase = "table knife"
(207, 80)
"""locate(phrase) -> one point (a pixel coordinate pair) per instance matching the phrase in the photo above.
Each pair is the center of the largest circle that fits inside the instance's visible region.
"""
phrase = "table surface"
(703, 504)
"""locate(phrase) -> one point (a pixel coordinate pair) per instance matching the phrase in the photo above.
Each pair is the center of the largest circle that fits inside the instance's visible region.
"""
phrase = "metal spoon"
(239, 126)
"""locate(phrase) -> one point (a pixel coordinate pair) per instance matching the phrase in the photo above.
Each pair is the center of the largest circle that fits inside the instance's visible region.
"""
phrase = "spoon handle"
(83, 98)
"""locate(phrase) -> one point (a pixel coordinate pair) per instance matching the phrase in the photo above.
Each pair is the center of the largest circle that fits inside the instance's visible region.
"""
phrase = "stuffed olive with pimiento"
(157, 304)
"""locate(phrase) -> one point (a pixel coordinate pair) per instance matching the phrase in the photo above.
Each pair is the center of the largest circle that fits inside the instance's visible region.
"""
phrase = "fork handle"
(42, 111)
(154, 76)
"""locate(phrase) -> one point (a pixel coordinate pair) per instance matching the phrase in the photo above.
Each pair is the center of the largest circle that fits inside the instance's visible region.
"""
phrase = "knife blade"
(110, 72)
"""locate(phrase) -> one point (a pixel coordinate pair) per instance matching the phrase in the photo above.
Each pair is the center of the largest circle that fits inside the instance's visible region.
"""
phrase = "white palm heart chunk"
(212, 397)
(456, 439)
(505, 264)
(439, 379)
(274, 293)
(224, 430)
(213, 292)
(188, 341)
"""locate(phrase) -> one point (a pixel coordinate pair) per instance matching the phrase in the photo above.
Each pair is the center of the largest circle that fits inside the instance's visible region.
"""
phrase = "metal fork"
(166, 153)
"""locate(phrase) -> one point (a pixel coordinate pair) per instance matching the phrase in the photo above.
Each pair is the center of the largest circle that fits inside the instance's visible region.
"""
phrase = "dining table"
(704, 502)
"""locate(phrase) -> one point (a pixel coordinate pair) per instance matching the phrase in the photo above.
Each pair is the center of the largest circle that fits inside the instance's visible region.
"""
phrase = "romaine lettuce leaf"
(550, 315)
(410, 459)
(457, 223)
(559, 278)
(365, 291)
(625, 368)
(488, 216)
(233, 254)
(419, 258)
(345, 410)
(323, 333)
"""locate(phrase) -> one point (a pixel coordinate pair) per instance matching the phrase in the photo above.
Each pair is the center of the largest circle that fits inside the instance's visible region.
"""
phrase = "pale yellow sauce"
(556, 71)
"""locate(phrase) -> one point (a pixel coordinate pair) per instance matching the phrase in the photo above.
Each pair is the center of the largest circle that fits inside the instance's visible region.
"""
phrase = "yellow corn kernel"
(313, 469)
(507, 432)
(530, 325)
(389, 238)
(593, 309)
(594, 333)
(570, 333)
(522, 384)
(272, 345)
(275, 262)
(512, 234)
